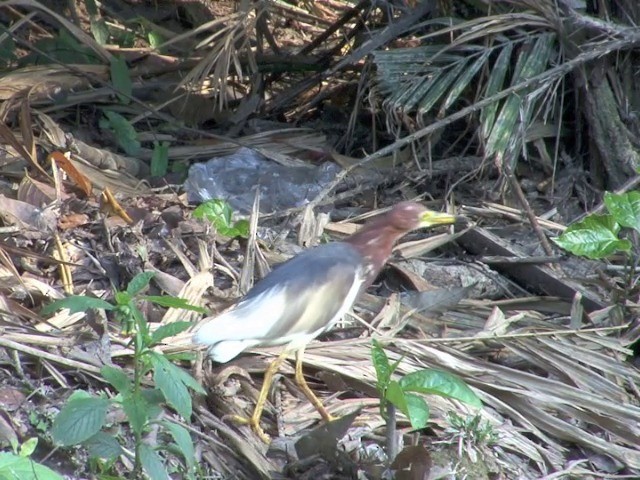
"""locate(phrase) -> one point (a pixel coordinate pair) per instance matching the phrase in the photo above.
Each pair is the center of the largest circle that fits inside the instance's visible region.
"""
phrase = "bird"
(306, 295)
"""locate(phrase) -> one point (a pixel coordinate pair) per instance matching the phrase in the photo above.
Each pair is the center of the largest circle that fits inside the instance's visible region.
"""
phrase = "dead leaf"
(78, 178)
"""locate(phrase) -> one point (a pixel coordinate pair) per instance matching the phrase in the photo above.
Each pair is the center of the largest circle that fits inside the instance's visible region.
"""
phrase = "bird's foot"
(254, 423)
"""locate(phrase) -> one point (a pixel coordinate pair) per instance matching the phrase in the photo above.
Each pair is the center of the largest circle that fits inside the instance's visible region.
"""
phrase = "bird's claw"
(254, 423)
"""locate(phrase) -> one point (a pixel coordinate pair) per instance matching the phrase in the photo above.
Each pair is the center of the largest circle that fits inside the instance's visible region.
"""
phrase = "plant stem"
(392, 435)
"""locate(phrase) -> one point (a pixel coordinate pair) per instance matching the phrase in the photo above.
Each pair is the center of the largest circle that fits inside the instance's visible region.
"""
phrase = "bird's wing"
(301, 297)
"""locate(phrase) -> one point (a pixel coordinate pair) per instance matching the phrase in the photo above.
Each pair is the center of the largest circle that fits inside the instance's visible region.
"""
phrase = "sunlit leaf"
(77, 303)
(594, 237)
(79, 420)
(437, 382)
(625, 208)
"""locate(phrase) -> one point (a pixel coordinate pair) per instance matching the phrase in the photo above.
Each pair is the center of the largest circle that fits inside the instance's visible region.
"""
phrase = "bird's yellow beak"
(431, 219)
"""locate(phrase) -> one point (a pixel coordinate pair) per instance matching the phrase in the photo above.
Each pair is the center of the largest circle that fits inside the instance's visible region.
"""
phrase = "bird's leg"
(315, 401)
(254, 421)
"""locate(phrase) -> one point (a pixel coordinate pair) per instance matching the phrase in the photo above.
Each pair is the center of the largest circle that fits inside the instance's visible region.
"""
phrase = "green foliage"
(18, 467)
(7, 47)
(121, 79)
(83, 418)
(403, 393)
(471, 430)
(62, 47)
(125, 134)
(220, 214)
(598, 236)
(160, 159)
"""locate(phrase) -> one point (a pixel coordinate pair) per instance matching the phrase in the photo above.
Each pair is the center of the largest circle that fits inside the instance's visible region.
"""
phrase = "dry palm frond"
(227, 48)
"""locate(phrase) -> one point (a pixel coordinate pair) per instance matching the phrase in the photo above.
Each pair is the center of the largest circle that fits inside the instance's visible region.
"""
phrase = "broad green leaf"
(183, 441)
(77, 303)
(28, 447)
(412, 406)
(174, 302)
(139, 283)
(395, 395)
(121, 79)
(437, 382)
(185, 377)
(117, 378)
(103, 445)
(137, 411)
(100, 31)
(625, 208)
(122, 298)
(152, 463)
(79, 419)
(594, 237)
(125, 134)
(92, 8)
(418, 410)
(160, 159)
(220, 214)
(172, 388)
(381, 365)
(168, 330)
(155, 39)
(15, 467)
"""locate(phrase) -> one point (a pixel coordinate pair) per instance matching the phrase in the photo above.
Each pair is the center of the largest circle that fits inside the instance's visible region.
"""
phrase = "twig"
(533, 219)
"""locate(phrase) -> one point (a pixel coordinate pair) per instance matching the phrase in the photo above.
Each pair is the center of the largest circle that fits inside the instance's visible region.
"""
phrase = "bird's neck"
(375, 243)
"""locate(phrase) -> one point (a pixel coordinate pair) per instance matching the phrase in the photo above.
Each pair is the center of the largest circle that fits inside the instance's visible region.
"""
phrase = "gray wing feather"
(316, 283)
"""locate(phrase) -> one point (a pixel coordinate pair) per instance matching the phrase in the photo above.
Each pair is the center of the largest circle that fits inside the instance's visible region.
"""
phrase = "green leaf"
(381, 365)
(395, 395)
(121, 79)
(139, 283)
(125, 134)
(155, 39)
(103, 445)
(152, 463)
(437, 382)
(79, 419)
(172, 387)
(220, 214)
(137, 410)
(413, 406)
(183, 441)
(174, 302)
(418, 410)
(15, 467)
(76, 303)
(92, 8)
(117, 378)
(495, 83)
(168, 330)
(122, 298)
(465, 78)
(27, 448)
(160, 159)
(594, 237)
(100, 31)
(625, 208)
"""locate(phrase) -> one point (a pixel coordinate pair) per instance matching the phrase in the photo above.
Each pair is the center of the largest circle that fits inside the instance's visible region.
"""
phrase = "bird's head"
(407, 216)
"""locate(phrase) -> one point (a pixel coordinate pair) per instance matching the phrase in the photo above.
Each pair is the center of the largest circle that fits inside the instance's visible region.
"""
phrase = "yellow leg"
(254, 421)
(315, 401)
